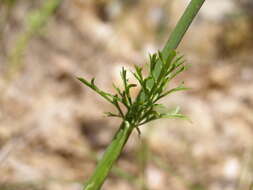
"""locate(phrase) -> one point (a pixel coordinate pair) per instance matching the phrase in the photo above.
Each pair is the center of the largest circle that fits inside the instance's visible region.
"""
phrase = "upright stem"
(115, 148)
(182, 26)
(110, 156)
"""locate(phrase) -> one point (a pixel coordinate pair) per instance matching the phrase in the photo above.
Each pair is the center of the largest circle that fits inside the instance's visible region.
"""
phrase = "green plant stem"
(115, 148)
(110, 156)
(182, 26)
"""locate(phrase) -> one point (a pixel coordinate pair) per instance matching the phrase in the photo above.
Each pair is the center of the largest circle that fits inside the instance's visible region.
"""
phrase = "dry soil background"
(52, 128)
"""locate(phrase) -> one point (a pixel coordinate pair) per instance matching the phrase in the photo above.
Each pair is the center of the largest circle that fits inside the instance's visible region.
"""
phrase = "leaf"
(173, 114)
(115, 102)
(142, 97)
(123, 76)
(92, 85)
(84, 81)
(139, 79)
(93, 81)
(153, 61)
(160, 108)
(109, 114)
(170, 58)
(181, 87)
(131, 86)
(138, 71)
(117, 89)
(160, 56)
(144, 108)
(179, 59)
(181, 69)
(149, 83)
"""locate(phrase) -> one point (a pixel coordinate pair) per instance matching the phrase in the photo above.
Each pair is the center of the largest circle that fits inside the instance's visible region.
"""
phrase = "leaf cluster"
(145, 107)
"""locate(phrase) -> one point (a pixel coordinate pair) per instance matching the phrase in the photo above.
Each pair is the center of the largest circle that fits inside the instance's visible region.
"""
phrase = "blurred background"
(52, 128)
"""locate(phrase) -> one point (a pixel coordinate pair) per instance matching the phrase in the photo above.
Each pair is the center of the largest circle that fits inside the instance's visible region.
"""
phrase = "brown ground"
(52, 128)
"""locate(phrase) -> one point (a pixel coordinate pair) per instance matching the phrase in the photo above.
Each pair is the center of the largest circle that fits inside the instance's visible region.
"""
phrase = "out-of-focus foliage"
(33, 25)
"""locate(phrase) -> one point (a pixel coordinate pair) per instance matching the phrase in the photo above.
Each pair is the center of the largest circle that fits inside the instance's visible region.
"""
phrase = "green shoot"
(163, 67)
(144, 108)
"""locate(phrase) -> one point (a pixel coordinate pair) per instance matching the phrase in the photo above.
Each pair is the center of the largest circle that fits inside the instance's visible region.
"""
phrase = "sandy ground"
(52, 128)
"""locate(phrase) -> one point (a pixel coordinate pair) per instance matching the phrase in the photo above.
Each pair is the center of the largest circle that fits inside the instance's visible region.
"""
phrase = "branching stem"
(113, 151)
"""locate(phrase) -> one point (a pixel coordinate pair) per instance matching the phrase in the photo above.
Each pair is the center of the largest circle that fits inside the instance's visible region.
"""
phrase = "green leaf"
(109, 114)
(138, 71)
(174, 114)
(84, 81)
(92, 85)
(160, 108)
(170, 58)
(149, 83)
(117, 90)
(153, 60)
(181, 87)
